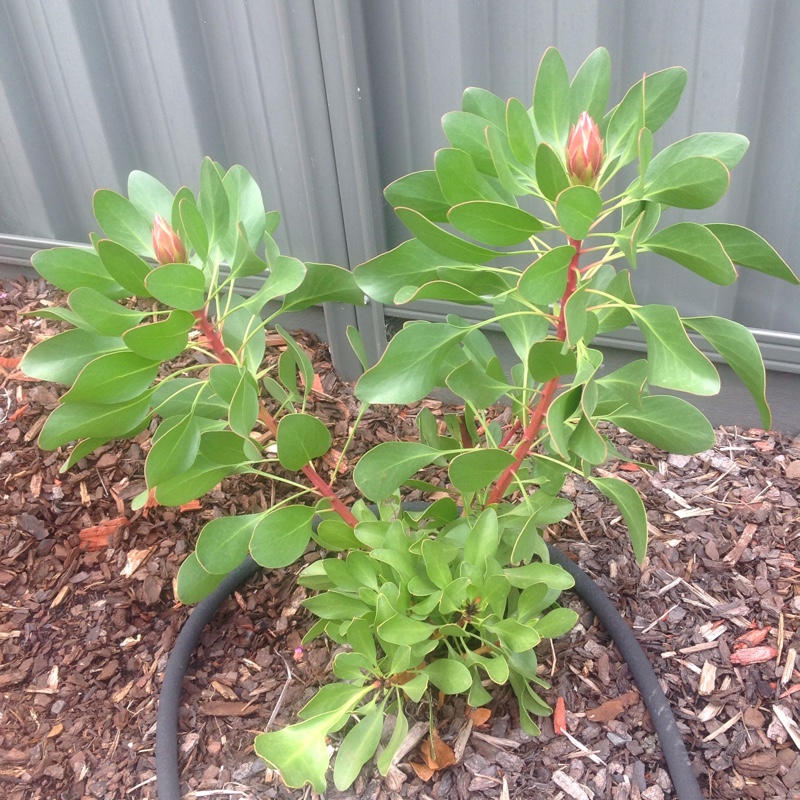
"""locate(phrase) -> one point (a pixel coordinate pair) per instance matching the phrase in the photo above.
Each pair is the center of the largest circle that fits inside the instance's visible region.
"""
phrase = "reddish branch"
(215, 340)
(548, 393)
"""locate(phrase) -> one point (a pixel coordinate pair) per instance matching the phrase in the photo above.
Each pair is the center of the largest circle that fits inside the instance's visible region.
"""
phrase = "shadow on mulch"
(88, 616)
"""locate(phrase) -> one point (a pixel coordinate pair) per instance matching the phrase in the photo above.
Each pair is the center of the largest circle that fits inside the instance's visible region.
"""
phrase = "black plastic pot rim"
(672, 744)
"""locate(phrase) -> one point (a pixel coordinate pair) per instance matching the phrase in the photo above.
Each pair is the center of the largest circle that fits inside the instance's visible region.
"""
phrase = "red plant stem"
(213, 336)
(510, 433)
(548, 393)
(217, 345)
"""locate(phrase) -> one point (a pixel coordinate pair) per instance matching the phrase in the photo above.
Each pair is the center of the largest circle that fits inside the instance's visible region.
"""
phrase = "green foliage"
(424, 604)
(454, 598)
(573, 289)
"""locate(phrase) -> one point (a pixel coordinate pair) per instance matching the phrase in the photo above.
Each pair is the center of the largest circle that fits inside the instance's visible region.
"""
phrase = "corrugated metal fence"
(327, 101)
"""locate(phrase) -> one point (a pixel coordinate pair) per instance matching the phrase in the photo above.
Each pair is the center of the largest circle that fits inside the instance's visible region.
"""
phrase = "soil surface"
(88, 615)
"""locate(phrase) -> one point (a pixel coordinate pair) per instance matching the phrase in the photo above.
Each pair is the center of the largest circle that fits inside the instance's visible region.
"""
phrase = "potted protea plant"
(453, 597)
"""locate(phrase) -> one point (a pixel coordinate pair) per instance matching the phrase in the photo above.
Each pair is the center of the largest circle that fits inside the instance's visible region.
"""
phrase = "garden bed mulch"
(88, 616)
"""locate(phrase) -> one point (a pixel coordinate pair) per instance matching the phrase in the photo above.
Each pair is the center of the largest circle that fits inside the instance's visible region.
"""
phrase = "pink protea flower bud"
(168, 246)
(584, 150)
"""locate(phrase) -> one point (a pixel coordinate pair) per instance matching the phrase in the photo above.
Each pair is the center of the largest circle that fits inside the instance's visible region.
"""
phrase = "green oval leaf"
(448, 675)
(647, 104)
(112, 378)
(516, 636)
(467, 132)
(627, 500)
(420, 191)
(213, 202)
(381, 470)
(667, 422)
(551, 100)
(550, 575)
(410, 366)
(695, 182)
(482, 539)
(494, 223)
(60, 358)
(128, 269)
(409, 264)
(386, 758)
(459, 180)
(324, 283)
(103, 314)
(161, 341)
(336, 605)
(201, 477)
(300, 751)
(358, 747)
(123, 222)
(174, 451)
(544, 281)
(149, 195)
(673, 360)
(725, 147)
(521, 137)
(194, 226)
(551, 175)
(577, 209)
(546, 361)
(441, 241)
(178, 285)
(747, 249)
(301, 438)
(73, 421)
(476, 469)
(224, 542)
(403, 630)
(70, 268)
(286, 276)
(591, 85)
(282, 536)
(246, 206)
(194, 583)
(737, 345)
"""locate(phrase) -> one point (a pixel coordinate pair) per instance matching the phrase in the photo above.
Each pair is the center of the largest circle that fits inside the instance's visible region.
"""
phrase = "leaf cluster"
(130, 319)
(500, 195)
(427, 600)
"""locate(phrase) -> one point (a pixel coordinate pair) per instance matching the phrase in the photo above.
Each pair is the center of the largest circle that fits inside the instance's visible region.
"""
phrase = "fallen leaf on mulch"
(9, 363)
(228, 708)
(611, 709)
(98, 537)
(754, 655)
(192, 505)
(437, 756)
(479, 716)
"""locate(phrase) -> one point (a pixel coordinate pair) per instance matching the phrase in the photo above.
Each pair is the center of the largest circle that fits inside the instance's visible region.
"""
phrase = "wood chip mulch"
(88, 616)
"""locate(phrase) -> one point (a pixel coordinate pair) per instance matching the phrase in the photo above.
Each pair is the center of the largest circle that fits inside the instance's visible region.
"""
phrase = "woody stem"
(548, 392)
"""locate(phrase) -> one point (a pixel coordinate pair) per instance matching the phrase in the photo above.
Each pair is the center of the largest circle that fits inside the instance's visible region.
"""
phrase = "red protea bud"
(584, 150)
(168, 246)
